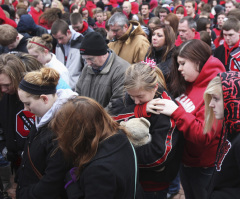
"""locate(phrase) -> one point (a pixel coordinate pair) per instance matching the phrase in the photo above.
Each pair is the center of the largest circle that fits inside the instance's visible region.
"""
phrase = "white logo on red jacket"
(186, 103)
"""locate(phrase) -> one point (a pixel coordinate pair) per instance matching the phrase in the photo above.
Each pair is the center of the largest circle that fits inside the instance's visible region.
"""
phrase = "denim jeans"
(174, 185)
(195, 181)
(156, 194)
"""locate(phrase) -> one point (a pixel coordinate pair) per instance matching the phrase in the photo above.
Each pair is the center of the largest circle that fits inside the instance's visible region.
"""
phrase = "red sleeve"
(192, 126)
(140, 111)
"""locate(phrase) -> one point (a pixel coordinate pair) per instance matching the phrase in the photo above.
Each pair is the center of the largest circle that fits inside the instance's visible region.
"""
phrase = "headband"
(36, 89)
(39, 45)
(150, 62)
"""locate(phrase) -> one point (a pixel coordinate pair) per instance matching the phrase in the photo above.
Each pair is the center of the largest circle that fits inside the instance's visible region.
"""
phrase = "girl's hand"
(163, 106)
(152, 106)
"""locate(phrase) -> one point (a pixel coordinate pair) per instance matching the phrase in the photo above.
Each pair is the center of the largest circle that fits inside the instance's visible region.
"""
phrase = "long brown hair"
(196, 51)
(169, 40)
(81, 124)
(14, 68)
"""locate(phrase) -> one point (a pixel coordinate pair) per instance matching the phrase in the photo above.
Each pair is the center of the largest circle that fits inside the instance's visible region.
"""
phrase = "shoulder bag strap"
(135, 158)
(39, 175)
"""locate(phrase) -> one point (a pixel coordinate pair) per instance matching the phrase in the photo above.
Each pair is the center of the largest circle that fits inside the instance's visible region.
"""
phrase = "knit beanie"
(93, 44)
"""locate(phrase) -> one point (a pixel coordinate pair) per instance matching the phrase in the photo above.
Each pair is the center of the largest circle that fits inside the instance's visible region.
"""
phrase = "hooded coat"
(44, 156)
(133, 45)
(26, 24)
(225, 183)
(185, 11)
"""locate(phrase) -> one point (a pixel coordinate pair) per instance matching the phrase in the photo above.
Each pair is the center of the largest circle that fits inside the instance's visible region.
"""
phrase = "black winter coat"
(14, 131)
(157, 56)
(110, 174)
(48, 161)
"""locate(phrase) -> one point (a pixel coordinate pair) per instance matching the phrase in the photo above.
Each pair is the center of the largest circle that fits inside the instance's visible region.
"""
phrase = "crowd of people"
(119, 99)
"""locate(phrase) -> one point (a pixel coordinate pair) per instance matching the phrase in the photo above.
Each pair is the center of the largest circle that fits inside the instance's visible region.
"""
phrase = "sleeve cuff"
(140, 111)
(178, 112)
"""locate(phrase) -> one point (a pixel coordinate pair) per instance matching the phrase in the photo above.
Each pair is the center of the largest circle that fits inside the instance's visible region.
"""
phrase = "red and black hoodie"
(226, 178)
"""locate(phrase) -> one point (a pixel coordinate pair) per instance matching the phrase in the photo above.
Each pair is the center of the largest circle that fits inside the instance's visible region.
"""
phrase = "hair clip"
(150, 62)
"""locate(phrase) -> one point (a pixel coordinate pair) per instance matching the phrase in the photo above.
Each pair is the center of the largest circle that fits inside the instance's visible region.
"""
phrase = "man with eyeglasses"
(130, 41)
(103, 72)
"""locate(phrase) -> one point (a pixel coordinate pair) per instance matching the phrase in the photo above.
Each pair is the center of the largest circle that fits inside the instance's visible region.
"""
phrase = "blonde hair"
(214, 86)
(59, 5)
(43, 77)
(143, 76)
(45, 40)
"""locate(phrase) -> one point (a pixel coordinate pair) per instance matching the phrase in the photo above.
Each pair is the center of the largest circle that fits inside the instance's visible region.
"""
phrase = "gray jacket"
(105, 86)
(73, 61)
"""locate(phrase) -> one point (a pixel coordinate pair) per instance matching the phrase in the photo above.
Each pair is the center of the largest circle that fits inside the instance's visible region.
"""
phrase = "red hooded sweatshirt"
(35, 14)
(199, 149)
(6, 20)
(185, 11)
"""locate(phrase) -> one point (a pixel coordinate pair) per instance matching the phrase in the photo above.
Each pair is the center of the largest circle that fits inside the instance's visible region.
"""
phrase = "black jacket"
(22, 46)
(160, 159)
(15, 131)
(225, 183)
(228, 58)
(157, 55)
(48, 161)
(110, 174)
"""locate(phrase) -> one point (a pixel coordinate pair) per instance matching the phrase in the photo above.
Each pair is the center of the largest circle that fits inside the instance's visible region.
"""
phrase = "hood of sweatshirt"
(231, 100)
(6, 20)
(208, 72)
(62, 97)
(26, 23)
(185, 11)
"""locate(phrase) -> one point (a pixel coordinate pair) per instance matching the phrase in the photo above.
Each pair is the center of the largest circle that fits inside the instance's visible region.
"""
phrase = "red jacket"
(102, 25)
(35, 15)
(178, 42)
(7, 20)
(199, 149)
(90, 6)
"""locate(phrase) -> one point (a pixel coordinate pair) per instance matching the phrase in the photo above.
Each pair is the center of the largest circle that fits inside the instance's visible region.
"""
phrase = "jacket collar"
(108, 66)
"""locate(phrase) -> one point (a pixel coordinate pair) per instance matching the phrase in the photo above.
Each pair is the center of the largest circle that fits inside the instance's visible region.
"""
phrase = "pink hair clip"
(150, 62)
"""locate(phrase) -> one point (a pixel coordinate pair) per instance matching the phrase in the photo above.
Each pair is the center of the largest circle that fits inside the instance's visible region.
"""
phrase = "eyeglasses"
(91, 59)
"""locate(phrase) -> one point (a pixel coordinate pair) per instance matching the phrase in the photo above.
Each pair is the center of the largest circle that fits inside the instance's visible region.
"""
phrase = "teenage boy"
(11, 40)
(229, 52)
